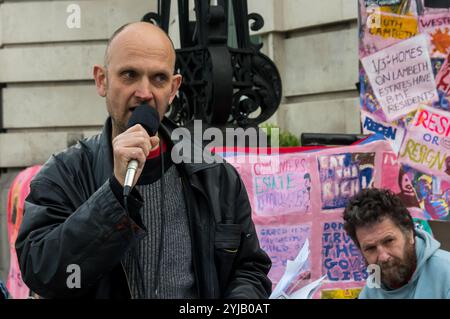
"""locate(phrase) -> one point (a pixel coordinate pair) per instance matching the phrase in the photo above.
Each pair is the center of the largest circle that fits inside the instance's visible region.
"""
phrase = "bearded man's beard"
(396, 272)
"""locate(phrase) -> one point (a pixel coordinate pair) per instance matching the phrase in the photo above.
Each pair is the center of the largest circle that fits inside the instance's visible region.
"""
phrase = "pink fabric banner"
(18, 191)
(302, 195)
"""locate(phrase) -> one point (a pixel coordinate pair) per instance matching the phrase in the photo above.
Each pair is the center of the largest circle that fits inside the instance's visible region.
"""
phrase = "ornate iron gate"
(221, 85)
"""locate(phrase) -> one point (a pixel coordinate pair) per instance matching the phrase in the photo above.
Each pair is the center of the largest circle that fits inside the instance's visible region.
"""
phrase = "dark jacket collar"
(187, 143)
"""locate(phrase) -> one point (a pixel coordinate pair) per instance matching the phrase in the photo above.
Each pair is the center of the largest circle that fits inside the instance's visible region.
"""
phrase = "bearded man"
(409, 260)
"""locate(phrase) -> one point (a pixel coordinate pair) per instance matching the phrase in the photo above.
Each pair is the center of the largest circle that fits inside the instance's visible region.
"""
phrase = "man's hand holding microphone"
(131, 148)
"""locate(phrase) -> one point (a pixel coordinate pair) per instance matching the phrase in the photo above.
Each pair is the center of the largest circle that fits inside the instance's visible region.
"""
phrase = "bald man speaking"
(184, 230)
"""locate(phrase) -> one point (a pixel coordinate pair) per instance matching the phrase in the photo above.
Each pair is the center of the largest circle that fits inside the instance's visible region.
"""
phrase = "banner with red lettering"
(427, 143)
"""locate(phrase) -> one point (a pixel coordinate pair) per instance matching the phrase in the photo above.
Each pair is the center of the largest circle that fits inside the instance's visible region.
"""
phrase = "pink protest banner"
(16, 198)
(401, 77)
(315, 187)
(427, 143)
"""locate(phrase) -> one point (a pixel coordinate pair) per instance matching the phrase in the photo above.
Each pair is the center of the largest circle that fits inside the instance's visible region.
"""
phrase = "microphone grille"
(147, 116)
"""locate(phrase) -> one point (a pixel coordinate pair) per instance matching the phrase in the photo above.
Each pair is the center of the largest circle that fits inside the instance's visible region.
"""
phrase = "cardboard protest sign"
(427, 142)
(401, 77)
(384, 24)
(391, 132)
(322, 182)
(389, 25)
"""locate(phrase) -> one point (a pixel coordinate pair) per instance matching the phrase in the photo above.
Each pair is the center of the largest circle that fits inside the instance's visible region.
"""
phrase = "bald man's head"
(141, 27)
(138, 68)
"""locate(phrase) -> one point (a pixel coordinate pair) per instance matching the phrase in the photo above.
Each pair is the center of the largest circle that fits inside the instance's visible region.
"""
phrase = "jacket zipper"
(211, 248)
(210, 283)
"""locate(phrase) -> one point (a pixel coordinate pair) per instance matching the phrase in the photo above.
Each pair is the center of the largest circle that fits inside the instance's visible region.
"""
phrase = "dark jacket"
(73, 217)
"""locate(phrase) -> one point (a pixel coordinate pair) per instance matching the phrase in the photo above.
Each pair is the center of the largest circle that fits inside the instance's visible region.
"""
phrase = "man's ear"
(410, 237)
(100, 79)
(176, 82)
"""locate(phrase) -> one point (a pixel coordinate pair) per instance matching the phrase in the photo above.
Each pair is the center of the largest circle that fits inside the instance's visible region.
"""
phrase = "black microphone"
(148, 117)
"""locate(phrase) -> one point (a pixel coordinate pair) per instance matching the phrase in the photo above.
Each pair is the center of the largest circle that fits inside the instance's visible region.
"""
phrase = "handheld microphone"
(148, 117)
